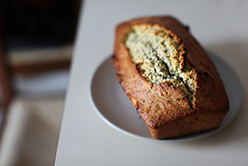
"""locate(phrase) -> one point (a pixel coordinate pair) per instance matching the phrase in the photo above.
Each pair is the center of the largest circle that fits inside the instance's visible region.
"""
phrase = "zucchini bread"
(168, 77)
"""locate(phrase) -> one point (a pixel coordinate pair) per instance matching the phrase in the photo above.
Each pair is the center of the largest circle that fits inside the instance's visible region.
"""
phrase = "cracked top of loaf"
(158, 53)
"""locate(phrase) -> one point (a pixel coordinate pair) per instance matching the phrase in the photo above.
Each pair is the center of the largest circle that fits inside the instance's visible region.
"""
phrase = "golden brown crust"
(163, 107)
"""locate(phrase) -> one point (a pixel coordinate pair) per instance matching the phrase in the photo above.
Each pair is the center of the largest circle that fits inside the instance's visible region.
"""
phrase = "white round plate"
(114, 107)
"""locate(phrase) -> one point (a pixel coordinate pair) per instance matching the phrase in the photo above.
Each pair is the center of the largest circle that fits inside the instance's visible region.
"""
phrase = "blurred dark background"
(38, 23)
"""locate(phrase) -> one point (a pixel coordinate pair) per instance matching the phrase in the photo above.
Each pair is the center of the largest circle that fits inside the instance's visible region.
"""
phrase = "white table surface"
(85, 139)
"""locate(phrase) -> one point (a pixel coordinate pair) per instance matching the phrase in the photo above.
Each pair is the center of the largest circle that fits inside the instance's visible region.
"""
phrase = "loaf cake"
(168, 77)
